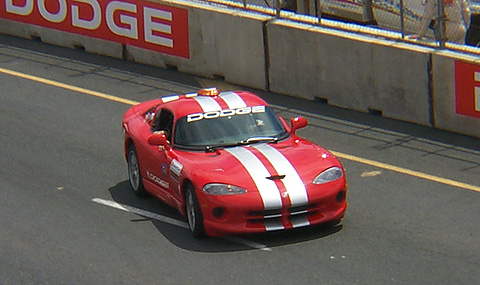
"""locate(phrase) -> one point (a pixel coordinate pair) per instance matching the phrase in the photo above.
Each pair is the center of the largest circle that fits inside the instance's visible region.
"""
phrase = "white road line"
(174, 222)
(140, 212)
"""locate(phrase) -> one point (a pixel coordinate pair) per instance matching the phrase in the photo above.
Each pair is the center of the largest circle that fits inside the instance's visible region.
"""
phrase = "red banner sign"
(467, 89)
(138, 23)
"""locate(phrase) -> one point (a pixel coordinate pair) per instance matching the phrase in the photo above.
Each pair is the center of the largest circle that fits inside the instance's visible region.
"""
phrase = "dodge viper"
(229, 164)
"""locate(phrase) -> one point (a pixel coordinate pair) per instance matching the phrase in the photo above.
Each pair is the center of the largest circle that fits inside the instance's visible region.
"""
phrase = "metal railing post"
(402, 19)
(318, 4)
(278, 8)
(368, 11)
(440, 27)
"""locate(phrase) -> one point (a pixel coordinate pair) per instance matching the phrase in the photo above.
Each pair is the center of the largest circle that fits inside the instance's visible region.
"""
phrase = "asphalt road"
(67, 215)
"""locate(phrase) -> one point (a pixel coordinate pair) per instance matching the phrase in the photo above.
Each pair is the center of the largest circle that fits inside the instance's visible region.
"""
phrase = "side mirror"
(158, 140)
(298, 123)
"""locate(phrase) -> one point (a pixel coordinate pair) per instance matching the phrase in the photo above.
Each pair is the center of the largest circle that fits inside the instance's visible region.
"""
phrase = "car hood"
(293, 163)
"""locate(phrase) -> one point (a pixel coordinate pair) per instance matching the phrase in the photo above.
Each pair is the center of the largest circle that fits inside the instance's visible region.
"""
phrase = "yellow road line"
(68, 87)
(407, 171)
(336, 153)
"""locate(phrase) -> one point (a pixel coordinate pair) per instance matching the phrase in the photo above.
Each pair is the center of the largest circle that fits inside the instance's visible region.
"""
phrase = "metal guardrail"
(395, 19)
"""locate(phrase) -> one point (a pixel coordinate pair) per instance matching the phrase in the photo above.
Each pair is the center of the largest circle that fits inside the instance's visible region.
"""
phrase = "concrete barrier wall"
(223, 43)
(451, 91)
(308, 63)
(350, 71)
(62, 39)
(403, 81)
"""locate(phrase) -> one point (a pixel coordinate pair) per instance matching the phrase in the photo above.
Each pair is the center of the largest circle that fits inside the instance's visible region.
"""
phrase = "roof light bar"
(209, 91)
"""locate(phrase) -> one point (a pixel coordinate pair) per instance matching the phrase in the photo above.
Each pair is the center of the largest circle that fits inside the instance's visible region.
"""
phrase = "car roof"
(209, 100)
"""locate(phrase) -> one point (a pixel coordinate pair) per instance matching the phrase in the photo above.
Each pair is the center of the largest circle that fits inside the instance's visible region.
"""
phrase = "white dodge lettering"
(211, 115)
(25, 10)
(225, 113)
(92, 24)
(53, 17)
(157, 180)
(194, 117)
(130, 32)
(150, 26)
(126, 26)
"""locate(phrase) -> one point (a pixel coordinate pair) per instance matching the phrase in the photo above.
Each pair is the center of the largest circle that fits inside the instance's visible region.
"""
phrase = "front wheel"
(134, 174)
(194, 214)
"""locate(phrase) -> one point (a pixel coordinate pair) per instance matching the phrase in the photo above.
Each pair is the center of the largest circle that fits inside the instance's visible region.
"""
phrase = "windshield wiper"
(212, 148)
(260, 139)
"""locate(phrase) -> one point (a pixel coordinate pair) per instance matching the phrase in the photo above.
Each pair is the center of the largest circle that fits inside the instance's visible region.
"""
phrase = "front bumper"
(224, 215)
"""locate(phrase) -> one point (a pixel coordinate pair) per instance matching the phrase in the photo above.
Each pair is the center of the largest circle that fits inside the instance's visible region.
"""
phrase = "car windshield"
(228, 128)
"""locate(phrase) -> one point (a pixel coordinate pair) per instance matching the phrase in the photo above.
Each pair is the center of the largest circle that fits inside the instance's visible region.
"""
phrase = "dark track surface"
(60, 149)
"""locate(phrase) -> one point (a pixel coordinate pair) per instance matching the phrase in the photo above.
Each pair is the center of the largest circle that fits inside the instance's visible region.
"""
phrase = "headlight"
(223, 189)
(328, 175)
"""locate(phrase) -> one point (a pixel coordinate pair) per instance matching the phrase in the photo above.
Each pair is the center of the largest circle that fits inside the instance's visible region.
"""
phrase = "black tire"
(134, 174)
(194, 214)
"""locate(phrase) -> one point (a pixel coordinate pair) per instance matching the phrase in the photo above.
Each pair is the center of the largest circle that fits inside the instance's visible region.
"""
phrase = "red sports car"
(230, 165)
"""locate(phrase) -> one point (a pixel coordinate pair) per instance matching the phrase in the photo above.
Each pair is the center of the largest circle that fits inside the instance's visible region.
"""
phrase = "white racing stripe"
(174, 222)
(171, 98)
(208, 104)
(273, 225)
(267, 188)
(233, 100)
(300, 221)
(292, 181)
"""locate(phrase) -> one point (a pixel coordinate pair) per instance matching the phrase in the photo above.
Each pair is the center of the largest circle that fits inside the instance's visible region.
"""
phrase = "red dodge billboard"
(138, 23)
(467, 89)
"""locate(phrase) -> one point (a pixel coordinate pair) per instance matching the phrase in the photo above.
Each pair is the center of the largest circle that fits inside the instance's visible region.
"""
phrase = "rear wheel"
(134, 174)
(194, 215)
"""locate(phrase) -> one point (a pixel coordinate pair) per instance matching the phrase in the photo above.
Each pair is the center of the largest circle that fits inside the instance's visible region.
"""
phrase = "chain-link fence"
(428, 21)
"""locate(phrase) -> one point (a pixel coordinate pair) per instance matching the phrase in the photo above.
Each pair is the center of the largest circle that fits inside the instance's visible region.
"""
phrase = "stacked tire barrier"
(360, 72)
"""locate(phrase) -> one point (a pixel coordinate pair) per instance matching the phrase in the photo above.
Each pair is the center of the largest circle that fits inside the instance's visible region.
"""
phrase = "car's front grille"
(266, 214)
(278, 213)
(300, 209)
